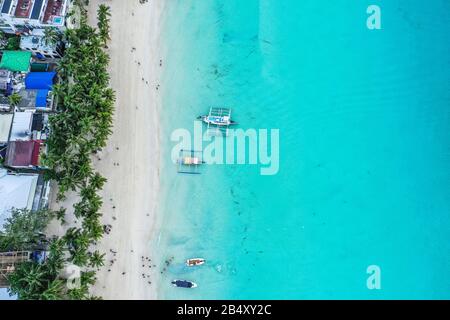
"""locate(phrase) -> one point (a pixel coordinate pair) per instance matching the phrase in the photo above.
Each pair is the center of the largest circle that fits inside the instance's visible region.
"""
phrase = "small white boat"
(184, 284)
(195, 262)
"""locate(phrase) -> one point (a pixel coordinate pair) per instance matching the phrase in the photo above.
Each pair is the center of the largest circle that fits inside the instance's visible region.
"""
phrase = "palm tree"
(97, 259)
(88, 278)
(13, 43)
(78, 242)
(27, 281)
(55, 261)
(54, 291)
(103, 17)
(81, 293)
(24, 229)
(51, 36)
(80, 127)
(15, 99)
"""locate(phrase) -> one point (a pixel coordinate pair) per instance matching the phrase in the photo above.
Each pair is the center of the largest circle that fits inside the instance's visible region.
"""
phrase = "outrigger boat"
(184, 284)
(218, 121)
(195, 262)
(189, 161)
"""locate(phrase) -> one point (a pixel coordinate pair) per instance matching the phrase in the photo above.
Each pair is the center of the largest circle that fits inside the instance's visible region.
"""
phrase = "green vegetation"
(13, 43)
(85, 104)
(9, 41)
(103, 18)
(80, 128)
(24, 230)
(15, 99)
(3, 40)
(51, 36)
(33, 281)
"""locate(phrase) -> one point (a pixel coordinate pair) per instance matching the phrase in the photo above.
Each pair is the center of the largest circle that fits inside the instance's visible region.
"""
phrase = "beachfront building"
(34, 88)
(27, 126)
(22, 16)
(25, 143)
(41, 49)
(21, 191)
(21, 126)
(13, 67)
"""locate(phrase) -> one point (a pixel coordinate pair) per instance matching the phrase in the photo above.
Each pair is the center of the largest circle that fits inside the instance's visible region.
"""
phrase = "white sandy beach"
(130, 161)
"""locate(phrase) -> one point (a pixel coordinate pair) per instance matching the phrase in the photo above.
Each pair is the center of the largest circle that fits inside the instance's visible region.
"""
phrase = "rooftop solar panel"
(37, 9)
(6, 6)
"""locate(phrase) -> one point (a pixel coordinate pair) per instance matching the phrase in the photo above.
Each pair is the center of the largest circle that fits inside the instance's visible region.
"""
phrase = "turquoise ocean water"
(364, 119)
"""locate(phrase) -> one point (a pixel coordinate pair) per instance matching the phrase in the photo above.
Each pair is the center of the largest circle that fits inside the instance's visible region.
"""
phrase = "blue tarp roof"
(41, 98)
(39, 80)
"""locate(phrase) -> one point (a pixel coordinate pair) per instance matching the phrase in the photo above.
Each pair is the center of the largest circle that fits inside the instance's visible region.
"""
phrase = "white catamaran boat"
(195, 262)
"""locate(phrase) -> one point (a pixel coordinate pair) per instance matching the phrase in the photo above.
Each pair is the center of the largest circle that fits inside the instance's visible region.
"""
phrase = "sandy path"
(130, 160)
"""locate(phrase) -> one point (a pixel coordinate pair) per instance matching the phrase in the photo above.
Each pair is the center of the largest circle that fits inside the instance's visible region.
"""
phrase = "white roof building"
(35, 43)
(21, 126)
(16, 191)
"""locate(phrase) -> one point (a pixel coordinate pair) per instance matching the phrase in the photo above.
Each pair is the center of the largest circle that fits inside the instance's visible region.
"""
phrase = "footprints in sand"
(146, 266)
(143, 79)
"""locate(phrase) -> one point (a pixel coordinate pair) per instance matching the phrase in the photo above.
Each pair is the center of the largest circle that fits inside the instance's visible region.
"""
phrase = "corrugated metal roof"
(22, 154)
(21, 126)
